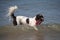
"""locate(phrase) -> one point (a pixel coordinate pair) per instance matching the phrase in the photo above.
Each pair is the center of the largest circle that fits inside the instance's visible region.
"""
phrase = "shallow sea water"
(28, 33)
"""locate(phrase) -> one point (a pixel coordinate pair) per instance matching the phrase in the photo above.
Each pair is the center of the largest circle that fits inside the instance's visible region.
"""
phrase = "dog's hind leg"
(21, 23)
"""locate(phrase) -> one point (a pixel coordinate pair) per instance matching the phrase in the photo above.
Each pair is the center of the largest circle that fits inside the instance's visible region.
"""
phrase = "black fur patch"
(14, 19)
(27, 20)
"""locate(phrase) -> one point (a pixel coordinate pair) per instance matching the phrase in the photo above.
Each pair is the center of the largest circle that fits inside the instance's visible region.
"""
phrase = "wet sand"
(15, 33)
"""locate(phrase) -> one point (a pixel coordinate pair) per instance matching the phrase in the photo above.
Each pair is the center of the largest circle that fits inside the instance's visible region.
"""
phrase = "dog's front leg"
(35, 28)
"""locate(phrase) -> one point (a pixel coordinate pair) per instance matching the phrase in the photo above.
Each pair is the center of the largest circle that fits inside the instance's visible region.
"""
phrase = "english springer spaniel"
(23, 20)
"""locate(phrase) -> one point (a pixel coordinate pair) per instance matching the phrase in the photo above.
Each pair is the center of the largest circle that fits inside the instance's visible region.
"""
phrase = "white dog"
(19, 20)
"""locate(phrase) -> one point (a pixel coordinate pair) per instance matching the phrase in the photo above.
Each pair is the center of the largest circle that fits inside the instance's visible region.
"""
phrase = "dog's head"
(39, 17)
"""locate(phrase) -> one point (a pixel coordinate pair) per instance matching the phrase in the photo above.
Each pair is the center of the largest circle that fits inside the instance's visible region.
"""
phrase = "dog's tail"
(11, 14)
(12, 10)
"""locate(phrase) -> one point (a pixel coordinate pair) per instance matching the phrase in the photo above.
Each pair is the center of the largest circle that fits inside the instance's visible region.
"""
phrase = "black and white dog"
(19, 20)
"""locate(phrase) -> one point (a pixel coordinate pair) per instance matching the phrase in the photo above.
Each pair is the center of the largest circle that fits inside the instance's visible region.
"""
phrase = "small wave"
(55, 27)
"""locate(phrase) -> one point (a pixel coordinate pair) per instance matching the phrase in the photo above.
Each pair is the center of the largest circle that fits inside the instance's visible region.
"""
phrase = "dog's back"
(21, 19)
